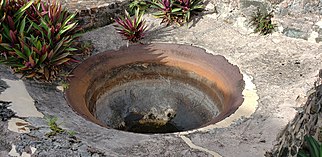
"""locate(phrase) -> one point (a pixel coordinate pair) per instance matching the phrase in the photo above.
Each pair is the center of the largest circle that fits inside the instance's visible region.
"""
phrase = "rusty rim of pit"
(215, 68)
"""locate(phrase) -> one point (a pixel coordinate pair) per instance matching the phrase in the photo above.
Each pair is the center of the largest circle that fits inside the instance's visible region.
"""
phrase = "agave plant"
(37, 37)
(132, 29)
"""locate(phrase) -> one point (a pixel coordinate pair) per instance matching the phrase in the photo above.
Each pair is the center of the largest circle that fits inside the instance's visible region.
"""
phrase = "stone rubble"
(306, 122)
(5, 112)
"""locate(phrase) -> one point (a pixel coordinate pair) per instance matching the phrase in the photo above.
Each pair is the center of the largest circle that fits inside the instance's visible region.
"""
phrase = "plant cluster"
(176, 11)
(312, 148)
(54, 127)
(262, 23)
(36, 37)
(132, 29)
(171, 11)
(142, 5)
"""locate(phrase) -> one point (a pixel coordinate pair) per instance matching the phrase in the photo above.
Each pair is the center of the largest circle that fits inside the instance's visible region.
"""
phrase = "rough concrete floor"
(283, 70)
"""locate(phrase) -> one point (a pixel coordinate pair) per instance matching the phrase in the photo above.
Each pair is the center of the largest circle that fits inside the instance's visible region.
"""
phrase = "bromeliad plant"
(37, 37)
(176, 11)
(132, 29)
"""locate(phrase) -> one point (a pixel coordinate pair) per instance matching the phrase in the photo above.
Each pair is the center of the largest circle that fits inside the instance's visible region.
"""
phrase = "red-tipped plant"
(132, 29)
(176, 11)
(165, 11)
(189, 7)
(36, 37)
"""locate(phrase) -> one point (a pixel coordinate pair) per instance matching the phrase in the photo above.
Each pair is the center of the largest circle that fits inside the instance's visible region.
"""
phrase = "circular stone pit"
(156, 88)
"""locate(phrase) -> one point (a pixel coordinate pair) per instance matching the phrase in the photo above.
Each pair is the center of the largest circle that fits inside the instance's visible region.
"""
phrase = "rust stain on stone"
(221, 80)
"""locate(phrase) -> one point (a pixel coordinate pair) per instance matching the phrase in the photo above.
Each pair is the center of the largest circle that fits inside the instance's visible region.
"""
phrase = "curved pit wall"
(156, 88)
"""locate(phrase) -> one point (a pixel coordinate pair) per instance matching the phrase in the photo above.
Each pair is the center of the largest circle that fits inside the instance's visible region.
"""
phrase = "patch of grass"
(54, 127)
(71, 133)
(262, 23)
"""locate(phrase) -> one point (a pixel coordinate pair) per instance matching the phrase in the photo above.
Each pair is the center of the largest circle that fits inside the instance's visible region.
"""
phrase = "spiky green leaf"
(67, 28)
(313, 146)
(22, 27)
(20, 54)
(21, 11)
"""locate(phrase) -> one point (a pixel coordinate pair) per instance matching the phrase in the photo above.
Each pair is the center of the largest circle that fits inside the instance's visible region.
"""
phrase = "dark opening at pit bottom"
(135, 123)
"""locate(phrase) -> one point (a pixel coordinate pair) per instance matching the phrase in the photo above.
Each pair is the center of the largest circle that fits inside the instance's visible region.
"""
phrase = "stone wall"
(95, 13)
(308, 121)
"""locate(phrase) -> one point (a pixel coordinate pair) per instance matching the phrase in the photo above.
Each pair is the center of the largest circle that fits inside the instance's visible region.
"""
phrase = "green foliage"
(54, 127)
(262, 23)
(312, 148)
(36, 37)
(142, 5)
(71, 133)
(132, 29)
(64, 85)
(176, 11)
(84, 47)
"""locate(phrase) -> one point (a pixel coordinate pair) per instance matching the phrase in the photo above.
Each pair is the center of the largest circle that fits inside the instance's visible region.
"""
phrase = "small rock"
(74, 147)
(3, 86)
(295, 33)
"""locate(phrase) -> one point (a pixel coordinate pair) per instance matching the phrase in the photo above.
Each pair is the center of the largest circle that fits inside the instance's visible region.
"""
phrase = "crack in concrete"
(191, 145)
